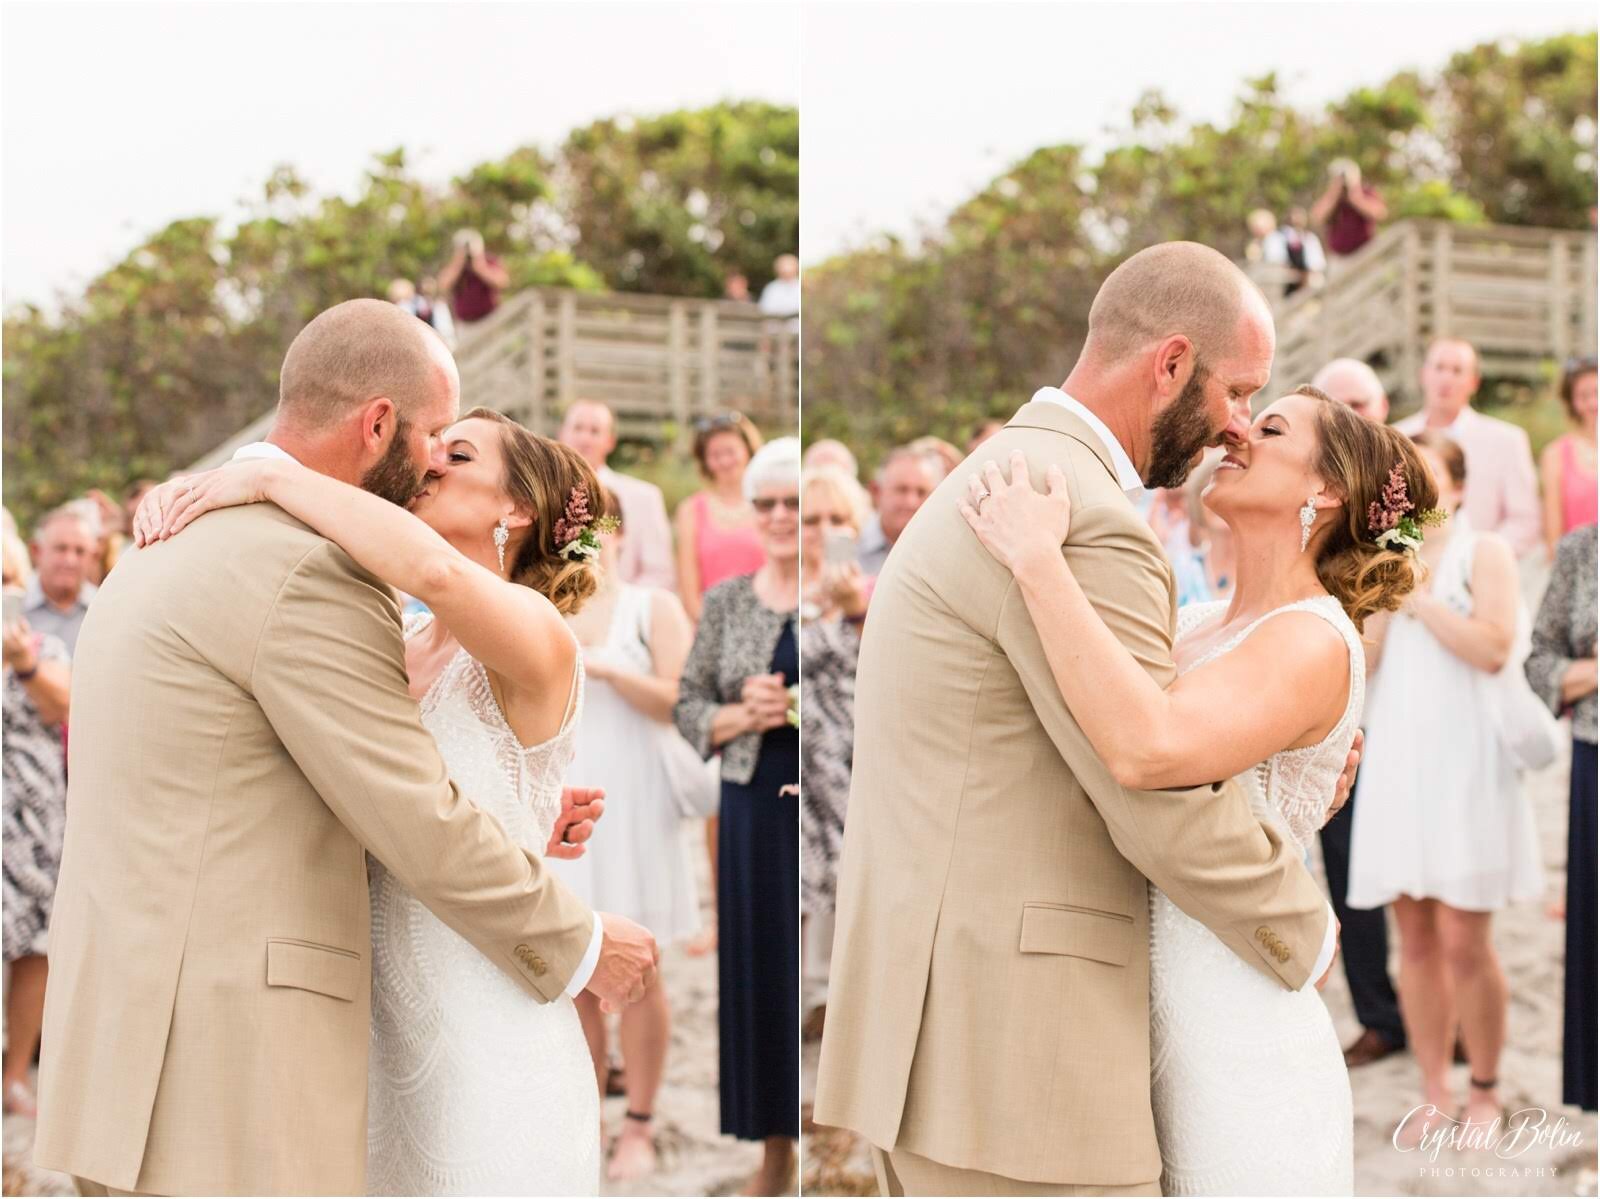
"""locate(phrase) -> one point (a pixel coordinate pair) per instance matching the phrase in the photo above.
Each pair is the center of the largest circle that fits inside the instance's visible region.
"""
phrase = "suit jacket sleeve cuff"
(1330, 942)
(591, 959)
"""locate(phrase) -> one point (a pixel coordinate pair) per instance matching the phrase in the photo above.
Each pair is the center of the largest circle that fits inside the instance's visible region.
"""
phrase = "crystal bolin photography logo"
(1506, 1137)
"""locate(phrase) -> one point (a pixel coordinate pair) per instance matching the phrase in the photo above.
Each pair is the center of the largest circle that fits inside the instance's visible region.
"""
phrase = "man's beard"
(395, 478)
(1180, 432)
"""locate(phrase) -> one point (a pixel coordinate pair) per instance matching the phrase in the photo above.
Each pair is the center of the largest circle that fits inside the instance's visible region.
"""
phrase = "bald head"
(355, 352)
(1178, 287)
(1355, 385)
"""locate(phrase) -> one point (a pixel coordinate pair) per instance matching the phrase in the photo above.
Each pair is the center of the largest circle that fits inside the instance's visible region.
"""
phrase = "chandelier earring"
(502, 534)
(1308, 517)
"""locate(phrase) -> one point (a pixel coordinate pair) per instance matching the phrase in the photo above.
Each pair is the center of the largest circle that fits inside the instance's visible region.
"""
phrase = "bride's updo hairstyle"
(540, 476)
(1356, 458)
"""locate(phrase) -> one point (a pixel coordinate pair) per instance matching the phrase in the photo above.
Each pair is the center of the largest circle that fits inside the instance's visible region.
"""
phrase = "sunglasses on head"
(766, 503)
(723, 420)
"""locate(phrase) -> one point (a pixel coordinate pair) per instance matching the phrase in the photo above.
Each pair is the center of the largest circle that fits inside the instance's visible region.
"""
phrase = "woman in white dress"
(473, 1089)
(1248, 1081)
(1444, 832)
(635, 640)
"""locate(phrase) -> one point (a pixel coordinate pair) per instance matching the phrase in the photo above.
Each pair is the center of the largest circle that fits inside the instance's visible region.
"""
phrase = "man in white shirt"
(781, 297)
(58, 595)
(590, 427)
(1502, 484)
(902, 485)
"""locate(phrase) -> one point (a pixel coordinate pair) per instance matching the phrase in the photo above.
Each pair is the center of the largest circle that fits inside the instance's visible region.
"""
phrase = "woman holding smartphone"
(833, 507)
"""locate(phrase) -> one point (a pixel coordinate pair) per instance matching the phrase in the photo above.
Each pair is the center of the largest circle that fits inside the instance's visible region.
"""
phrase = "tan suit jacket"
(988, 1001)
(241, 734)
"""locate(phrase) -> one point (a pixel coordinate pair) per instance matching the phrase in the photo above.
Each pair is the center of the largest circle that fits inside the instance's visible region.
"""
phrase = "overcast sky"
(907, 112)
(118, 118)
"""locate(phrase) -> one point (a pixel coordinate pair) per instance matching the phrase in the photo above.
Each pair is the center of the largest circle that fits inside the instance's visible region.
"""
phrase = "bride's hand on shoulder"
(1016, 523)
(166, 510)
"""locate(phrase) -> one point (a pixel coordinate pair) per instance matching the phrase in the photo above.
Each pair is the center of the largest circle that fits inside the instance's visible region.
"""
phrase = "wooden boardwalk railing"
(1524, 297)
(658, 361)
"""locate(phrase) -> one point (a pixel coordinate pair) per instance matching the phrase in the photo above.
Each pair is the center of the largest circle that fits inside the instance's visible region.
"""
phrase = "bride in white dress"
(473, 1088)
(1248, 1082)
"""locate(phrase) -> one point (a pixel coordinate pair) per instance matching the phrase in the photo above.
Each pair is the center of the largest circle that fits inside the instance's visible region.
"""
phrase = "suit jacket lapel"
(1041, 414)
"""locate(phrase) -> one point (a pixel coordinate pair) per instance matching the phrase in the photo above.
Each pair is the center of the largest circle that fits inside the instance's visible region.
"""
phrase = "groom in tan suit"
(988, 1019)
(242, 737)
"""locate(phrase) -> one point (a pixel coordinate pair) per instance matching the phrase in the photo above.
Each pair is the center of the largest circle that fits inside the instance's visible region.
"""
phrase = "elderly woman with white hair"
(734, 697)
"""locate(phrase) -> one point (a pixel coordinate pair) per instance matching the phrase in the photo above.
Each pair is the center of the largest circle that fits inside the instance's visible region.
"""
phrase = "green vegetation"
(902, 339)
(177, 347)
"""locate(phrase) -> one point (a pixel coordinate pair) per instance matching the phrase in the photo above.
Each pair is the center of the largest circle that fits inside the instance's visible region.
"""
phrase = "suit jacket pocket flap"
(319, 968)
(1077, 932)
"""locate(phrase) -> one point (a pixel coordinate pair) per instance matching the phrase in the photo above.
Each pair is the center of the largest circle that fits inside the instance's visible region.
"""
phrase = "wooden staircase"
(658, 361)
(1524, 297)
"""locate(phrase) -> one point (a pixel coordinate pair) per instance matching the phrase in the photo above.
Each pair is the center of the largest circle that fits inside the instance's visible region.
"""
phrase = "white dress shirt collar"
(1127, 475)
(262, 449)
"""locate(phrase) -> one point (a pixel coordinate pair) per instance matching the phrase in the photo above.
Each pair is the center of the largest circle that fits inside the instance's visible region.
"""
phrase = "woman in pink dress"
(1571, 489)
(715, 527)
(716, 538)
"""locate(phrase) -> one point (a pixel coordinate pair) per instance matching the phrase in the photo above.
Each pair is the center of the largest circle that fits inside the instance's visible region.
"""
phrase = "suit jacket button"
(538, 966)
(1263, 933)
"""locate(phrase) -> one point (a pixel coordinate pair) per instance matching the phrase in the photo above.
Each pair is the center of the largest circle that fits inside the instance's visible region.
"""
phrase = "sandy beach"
(1531, 949)
(694, 1158)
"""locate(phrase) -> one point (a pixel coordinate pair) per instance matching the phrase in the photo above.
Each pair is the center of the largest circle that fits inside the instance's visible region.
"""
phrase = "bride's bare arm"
(514, 631)
(1285, 685)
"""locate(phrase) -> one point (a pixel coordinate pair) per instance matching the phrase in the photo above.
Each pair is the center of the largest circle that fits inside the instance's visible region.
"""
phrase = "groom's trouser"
(1363, 934)
(902, 1173)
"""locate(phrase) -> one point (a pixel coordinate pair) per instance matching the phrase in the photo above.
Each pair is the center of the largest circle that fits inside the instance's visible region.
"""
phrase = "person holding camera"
(1348, 209)
(473, 279)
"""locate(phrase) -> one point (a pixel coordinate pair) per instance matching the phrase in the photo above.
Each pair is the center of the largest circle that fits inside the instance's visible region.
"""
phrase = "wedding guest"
(473, 278)
(590, 427)
(717, 539)
(1503, 495)
(132, 496)
(1348, 208)
(1203, 564)
(1561, 669)
(1444, 833)
(781, 297)
(64, 545)
(734, 697)
(1363, 932)
(984, 430)
(830, 453)
(949, 457)
(1298, 250)
(1567, 466)
(736, 287)
(903, 483)
(1355, 385)
(716, 527)
(36, 684)
(635, 640)
(835, 596)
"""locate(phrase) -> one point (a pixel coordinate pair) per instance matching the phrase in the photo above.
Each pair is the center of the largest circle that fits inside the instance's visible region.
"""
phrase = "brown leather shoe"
(1371, 1046)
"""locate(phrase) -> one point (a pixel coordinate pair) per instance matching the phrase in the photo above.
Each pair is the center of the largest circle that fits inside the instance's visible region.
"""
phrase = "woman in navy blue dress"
(734, 698)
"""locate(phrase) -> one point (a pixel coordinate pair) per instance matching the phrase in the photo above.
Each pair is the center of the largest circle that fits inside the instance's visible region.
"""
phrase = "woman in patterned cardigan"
(1561, 670)
(833, 509)
(36, 684)
(734, 698)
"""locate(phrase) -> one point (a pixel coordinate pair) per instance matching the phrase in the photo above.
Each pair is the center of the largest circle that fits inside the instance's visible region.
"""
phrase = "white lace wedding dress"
(1248, 1081)
(475, 1088)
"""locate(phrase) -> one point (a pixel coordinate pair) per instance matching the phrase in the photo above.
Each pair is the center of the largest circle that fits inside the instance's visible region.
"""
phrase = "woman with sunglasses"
(1567, 466)
(734, 698)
